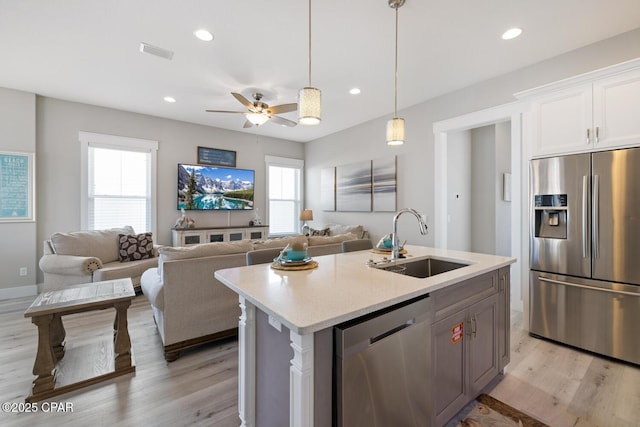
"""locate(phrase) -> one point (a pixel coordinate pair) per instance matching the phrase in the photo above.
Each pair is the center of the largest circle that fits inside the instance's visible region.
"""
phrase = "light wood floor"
(556, 384)
(565, 387)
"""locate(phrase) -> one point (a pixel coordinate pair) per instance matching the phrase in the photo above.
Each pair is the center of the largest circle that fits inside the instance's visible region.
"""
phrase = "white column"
(301, 381)
(247, 364)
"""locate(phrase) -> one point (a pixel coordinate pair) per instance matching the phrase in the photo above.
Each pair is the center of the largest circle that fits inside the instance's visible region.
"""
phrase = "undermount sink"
(421, 268)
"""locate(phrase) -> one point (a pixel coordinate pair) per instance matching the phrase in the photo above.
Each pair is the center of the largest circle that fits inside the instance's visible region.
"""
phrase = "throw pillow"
(323, 232)
(336, 229)
(135, 247)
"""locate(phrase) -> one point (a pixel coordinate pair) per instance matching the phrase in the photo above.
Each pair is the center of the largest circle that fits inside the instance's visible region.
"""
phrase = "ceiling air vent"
(157, 51)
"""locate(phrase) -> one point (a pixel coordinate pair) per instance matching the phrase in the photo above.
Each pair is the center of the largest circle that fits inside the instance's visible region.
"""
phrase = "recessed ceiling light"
(354, 91)
(203, 35)
(511, 33)
(170, 99)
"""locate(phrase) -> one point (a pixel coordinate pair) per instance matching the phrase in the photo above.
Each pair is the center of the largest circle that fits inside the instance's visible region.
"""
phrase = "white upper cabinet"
(562, 121)
(591, 112)
(616, 111)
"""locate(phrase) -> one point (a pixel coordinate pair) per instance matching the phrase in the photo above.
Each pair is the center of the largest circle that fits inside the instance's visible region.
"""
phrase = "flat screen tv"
(214, 188)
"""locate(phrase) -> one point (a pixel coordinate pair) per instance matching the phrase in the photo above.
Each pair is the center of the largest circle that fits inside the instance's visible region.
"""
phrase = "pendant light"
(395, 126)
(309, 97)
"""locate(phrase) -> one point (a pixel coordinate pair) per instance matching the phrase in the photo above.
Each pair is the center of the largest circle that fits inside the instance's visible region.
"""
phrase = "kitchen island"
(286, 338)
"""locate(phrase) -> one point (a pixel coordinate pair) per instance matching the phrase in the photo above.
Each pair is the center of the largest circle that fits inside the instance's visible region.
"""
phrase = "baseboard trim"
(19, 292)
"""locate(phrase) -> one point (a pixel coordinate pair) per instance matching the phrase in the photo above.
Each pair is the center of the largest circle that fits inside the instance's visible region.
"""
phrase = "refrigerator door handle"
(592, 288)
(596, 208)
(585, 207)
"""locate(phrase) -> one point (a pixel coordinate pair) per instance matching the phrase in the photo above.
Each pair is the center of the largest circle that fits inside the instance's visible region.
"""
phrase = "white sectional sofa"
(190, 306)
(338, 229)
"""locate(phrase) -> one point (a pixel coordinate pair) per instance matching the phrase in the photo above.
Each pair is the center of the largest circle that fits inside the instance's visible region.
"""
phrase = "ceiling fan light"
(257, 118)
(395, 131)
(309, 101)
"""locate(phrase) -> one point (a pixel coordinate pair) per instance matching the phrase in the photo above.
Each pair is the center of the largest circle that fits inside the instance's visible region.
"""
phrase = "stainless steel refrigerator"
(585, 251)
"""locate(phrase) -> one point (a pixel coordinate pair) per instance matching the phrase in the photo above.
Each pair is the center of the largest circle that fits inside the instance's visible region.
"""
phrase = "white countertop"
(343, 287)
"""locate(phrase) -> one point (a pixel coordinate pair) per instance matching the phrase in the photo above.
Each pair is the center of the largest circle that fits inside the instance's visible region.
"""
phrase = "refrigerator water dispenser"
(550, 213)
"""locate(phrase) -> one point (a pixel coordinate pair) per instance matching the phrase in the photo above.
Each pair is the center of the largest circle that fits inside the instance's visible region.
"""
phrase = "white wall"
(502, 208)
(491, 215)
(459, 191)
(478, 219)
(18, 249)
(483, 204)
(58, 149)
(415, 157)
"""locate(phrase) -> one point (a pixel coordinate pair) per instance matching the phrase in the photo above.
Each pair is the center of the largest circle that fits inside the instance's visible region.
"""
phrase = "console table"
(60, 370)
(194, 236)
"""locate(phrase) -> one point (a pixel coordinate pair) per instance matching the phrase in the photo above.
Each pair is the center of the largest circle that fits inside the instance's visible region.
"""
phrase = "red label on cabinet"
(456, 333)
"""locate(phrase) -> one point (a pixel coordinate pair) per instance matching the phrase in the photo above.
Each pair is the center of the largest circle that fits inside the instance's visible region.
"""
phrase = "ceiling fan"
(259, 112)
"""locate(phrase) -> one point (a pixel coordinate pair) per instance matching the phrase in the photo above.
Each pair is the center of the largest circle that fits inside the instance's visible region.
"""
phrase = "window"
(284, 183)
(119, 182)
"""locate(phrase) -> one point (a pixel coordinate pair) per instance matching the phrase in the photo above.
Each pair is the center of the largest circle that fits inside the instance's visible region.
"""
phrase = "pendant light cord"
(395, 105)
(309, 43)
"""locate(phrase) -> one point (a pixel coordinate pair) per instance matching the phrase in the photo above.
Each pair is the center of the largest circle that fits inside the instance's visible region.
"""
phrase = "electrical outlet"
(23, 271)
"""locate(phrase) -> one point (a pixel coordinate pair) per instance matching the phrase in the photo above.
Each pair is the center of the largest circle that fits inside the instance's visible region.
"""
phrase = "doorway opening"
(479, 188)
(478, 193)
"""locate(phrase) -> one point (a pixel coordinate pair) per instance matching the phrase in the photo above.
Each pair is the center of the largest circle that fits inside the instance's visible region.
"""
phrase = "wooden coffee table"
(59, 371)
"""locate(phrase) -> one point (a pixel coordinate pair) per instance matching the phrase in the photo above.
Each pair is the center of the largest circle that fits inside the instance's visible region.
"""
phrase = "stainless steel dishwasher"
(382, 368)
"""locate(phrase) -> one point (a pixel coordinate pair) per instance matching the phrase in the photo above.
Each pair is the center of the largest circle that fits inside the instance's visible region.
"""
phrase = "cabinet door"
(448, 366)
(483, 344)
(235, 235)
(504, 319)
(192, 238)
(255, 233)
(215, 236)
(562, 120)
(616, 104)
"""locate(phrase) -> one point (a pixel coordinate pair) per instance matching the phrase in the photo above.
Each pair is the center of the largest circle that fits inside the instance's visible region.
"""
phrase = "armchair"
(89, 256)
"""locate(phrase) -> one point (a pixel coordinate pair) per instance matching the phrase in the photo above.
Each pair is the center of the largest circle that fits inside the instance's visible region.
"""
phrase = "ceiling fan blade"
(225, 111)
(247, 124)
(244, 101)
(284, 108)
(283, 121)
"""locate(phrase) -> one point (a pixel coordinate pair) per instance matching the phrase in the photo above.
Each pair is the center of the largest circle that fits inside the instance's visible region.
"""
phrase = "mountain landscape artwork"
(214, 188)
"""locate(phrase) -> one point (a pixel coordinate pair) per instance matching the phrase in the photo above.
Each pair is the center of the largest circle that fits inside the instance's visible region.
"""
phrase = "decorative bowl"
(296, 255)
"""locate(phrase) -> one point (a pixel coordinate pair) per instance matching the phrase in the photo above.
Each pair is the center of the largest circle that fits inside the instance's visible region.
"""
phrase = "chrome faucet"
(395, 249)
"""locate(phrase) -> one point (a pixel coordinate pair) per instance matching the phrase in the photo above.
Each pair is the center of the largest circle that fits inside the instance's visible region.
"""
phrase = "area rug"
(486, 411)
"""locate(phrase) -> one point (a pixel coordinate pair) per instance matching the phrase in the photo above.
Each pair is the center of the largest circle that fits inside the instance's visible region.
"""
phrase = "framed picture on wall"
(17, 186)
(353, 187)
(384, 184)
(328, 189)
(216, 157)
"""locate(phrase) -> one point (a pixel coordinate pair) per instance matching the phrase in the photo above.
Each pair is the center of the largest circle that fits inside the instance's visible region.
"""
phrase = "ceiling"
(88, 51)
